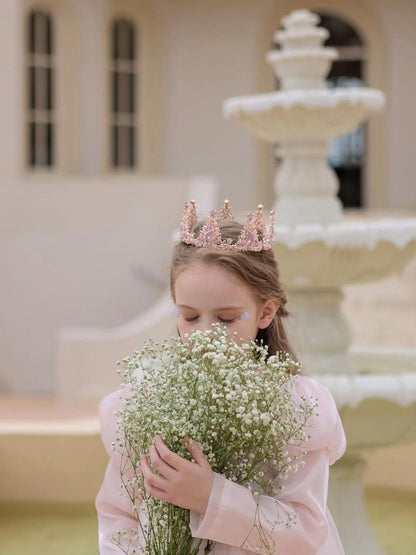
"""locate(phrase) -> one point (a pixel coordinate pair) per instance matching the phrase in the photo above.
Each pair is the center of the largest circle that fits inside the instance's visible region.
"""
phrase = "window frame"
(44, 114)
(127, 120)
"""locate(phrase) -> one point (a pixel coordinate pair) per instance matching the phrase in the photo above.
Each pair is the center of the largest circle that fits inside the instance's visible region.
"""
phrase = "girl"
(224, 272)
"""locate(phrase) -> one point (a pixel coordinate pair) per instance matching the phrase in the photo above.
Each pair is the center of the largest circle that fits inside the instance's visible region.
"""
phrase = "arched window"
(40, 79)
(347, 152)
(124, 134)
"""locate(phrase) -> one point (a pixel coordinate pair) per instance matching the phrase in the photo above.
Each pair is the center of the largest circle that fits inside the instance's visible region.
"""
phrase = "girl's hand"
(180, 482)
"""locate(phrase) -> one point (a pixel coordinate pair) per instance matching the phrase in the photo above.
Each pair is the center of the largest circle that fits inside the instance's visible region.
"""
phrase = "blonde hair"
(258, 270)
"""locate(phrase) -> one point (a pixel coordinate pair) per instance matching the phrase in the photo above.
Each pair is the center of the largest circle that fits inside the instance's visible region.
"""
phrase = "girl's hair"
(258, 270)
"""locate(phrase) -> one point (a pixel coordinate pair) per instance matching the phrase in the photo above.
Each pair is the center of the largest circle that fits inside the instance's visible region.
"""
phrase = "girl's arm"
(235, 517)
(113, 505)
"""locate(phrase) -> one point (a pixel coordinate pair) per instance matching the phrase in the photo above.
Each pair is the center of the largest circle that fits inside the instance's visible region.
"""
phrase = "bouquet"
(234, 400)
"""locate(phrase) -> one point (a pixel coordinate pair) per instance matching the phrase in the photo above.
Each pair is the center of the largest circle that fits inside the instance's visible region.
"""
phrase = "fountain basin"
(376, 411)
(304, 115)
(341, 253)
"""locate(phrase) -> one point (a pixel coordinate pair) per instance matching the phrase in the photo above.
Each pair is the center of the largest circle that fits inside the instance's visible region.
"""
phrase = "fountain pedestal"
(325, 346)
(346, 503)
(305, 185)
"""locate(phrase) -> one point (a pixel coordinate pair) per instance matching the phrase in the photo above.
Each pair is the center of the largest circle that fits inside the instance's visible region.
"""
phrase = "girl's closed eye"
(219, 318)
(223, 320)
(226, 321)
(190, 318)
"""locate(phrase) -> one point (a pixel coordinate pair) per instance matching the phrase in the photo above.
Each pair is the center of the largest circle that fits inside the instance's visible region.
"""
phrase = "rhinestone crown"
(210, 234)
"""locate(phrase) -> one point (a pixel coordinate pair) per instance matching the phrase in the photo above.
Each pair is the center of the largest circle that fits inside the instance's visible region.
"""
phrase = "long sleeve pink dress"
(231, 511)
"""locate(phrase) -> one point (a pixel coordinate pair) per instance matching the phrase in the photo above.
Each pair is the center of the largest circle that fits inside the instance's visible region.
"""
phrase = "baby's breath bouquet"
(234, 400)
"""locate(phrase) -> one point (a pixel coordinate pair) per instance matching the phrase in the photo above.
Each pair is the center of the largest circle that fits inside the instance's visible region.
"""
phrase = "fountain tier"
(304, 115)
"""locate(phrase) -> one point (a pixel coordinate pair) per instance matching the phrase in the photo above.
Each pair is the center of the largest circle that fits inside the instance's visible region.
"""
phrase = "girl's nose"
(204, 324)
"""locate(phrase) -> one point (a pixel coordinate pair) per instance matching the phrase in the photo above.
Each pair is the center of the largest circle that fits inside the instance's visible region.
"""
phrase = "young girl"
(224, 272)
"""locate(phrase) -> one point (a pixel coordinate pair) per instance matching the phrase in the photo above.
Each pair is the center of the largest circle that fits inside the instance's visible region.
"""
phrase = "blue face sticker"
(176, 311)
(245, 316)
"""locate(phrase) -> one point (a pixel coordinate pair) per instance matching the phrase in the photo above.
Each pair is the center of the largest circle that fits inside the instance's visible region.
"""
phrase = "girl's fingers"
(150, 479)
(195, 449)
(161, 466)
(156, 492)
(168, 456)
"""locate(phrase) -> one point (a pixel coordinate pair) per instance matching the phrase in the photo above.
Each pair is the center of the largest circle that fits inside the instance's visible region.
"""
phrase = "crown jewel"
(253, 236)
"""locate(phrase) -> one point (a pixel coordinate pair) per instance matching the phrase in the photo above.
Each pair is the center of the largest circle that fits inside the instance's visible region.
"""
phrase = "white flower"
(265, 419)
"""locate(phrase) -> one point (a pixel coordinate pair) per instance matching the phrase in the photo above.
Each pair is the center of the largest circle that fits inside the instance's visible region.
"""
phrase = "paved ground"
(72, 529)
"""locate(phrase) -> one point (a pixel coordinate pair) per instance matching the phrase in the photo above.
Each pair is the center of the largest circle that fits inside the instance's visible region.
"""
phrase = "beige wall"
(77, 253)
(399, 22)
(209, 54)
(11, 90)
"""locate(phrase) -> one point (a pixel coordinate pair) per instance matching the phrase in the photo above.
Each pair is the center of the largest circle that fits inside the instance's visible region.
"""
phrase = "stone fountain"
(319, 252)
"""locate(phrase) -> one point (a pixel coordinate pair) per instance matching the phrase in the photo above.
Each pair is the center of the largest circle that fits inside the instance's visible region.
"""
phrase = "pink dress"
(231, 508)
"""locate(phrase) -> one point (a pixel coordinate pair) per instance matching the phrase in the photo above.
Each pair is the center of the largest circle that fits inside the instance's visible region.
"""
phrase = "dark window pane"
(350, 186)
(41, 144)
(136, 145)
(114, 78)
(346, 68)
(132, 135)
(123, 146)
(50, 142)
(124, 101)
(32, 101)
(114, 40)
(50, 92)
(41, 88)
(123, 88)
(132, 46)
(341, 32)
(32, 144)
(125, 40)
(41, 39)
(115, 146)
(49, 36)
(31, 41)
(123, 44)
(347, 151)
(40, 33)
(132, 79)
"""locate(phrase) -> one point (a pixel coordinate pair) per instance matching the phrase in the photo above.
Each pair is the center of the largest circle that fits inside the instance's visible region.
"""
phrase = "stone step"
(49, 451)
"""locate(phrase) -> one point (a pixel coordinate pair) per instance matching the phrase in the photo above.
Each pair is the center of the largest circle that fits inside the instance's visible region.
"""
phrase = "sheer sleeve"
(234, 516)
(113, 505)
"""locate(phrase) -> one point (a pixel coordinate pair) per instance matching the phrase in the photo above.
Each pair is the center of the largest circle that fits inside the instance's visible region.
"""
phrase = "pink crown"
(210, 234)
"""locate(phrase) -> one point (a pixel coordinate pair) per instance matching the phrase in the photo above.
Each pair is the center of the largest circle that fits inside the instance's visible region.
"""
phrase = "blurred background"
(111, 117)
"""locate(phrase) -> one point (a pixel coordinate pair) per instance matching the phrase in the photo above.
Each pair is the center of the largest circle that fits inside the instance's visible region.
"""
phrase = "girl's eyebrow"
(215, 309)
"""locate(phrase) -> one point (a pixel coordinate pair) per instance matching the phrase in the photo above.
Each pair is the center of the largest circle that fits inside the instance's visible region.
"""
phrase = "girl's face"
(206, 294)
